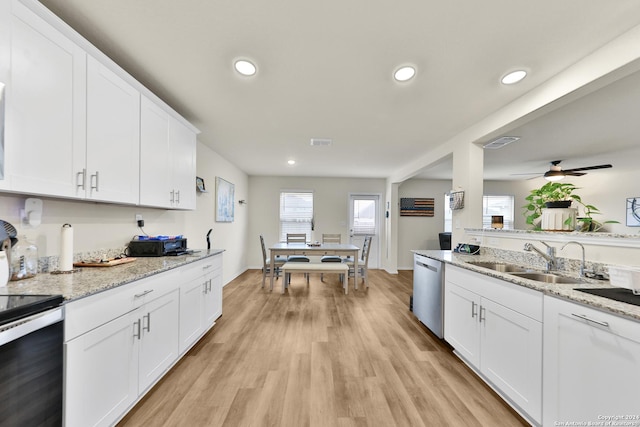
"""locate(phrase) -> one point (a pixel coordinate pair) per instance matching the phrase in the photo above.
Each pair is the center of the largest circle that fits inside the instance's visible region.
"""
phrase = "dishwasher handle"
(434, 269)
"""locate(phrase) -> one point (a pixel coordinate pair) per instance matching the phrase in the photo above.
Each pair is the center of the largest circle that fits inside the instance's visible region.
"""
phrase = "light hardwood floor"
(317, 357)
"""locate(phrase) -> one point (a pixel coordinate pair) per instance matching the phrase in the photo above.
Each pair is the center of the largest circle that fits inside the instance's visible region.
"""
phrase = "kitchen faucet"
(579, 244)
(550, 256)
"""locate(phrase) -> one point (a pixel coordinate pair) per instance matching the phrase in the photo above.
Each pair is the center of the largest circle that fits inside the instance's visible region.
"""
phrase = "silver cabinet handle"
(148, 327)
(148, 291)
(81, 176)
(204, 288)
(473, 309)
(209, 285)
(136, 325)
(178, 196)
(482, 311)
(97, 176)
(597, 322)
(172, 199)
(206, 267)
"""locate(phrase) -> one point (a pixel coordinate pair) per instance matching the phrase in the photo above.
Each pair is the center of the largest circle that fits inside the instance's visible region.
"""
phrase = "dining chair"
(297, 238)
(330, 238)
(266, 263)
(363, 262)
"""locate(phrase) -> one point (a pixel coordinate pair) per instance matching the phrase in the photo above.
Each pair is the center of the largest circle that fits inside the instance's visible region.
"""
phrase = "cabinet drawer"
(200, 268)
(88, 313)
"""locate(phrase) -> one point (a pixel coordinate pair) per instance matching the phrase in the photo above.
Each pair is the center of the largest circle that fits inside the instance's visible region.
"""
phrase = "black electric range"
(14, 307)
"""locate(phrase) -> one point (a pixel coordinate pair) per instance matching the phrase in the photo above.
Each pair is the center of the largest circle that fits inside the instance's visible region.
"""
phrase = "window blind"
(296, 213)
(364, 217)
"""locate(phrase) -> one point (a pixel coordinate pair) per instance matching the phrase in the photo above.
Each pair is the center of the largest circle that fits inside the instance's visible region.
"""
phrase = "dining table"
(314, 250)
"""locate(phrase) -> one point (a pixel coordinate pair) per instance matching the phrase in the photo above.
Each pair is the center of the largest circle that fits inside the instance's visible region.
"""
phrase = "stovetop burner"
(14, 307)
(616, 294)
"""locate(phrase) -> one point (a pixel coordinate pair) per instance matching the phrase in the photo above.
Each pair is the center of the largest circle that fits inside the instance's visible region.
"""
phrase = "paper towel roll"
(66, 248)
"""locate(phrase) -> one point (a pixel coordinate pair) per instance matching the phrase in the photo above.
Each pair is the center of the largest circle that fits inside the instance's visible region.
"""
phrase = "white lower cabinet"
(591, 366)
(120, 342)
(496, 328)
(200, 300)
(109, 367)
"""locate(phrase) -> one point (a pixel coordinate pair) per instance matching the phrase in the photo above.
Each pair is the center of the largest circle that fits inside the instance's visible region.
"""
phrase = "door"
(364, 220)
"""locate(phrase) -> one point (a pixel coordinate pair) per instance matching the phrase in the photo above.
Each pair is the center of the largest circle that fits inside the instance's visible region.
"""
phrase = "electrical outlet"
(138, 217)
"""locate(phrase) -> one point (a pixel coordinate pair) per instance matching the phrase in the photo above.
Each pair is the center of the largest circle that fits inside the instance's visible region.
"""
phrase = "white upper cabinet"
(155, 178)
(76, 124)
(45, 107)
(113, 136)
(182, 141)
(167, 159)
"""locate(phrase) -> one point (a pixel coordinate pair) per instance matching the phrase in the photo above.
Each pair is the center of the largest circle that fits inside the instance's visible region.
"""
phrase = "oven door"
(31, 369)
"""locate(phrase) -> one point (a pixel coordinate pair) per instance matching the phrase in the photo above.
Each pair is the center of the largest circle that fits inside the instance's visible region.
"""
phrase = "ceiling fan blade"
(588, 168)
(570, 173)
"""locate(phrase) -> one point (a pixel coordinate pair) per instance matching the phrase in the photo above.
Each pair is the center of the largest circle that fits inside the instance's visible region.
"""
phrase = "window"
(448, 214)
(364, 215)
(296, 213)
(491, 205)
(497, 205)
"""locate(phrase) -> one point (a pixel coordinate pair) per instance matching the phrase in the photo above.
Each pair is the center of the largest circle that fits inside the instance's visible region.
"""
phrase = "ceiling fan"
(556, 173)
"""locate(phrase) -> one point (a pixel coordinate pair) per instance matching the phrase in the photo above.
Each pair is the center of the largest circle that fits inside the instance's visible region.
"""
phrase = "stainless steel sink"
(501, 267)
(546, 277)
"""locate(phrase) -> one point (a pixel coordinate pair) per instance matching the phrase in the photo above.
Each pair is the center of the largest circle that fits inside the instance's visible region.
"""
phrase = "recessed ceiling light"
(291, 162)
(513, 77)
(404, 73)
(244, 67)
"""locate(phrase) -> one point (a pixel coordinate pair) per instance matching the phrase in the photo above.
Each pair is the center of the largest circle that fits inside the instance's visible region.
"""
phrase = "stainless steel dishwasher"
(428, 282)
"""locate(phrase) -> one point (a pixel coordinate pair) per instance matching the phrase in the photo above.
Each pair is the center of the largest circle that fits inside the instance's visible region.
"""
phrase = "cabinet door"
(101, 379)
(45, 108)
(159, 338)
(591, 364)
(461, 326)
(511, 355)
(113, 136)
(191, 312)
(155, 166)
(213, 298)
(183, 155)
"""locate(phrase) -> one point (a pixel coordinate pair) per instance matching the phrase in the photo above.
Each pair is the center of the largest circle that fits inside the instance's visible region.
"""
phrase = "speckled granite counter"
(562, 290)
(91, 280)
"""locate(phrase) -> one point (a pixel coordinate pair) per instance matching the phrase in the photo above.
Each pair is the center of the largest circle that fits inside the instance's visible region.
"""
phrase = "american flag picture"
(416, 207)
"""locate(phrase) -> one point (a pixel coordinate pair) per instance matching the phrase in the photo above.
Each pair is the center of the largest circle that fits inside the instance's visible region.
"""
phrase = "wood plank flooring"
(316, 357)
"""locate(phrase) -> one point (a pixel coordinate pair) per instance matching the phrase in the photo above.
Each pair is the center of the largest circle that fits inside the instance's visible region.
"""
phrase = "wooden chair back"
(331, 238)
(296, 238)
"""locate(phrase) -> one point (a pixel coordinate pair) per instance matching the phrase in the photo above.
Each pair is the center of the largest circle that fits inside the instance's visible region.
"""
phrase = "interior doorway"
(364, 220)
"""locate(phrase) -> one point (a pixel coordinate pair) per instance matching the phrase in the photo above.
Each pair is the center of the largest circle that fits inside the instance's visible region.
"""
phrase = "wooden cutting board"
(107, 263)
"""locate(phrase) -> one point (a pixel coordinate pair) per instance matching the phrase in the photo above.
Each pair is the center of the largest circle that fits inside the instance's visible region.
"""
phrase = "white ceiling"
(325, 71)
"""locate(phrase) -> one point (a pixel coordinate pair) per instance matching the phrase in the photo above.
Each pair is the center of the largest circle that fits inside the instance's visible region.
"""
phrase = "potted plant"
(553, 194)
(587, 223)
(560, 195)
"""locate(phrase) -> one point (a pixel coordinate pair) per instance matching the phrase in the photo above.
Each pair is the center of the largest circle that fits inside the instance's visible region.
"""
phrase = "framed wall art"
(633, 212)
(224, 200)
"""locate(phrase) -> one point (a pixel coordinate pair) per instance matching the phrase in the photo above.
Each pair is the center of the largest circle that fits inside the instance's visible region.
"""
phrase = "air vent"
(321, 142)
(500, 142)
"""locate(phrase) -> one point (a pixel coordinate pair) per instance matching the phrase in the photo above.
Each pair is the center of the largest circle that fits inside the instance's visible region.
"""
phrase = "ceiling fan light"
(554, 175)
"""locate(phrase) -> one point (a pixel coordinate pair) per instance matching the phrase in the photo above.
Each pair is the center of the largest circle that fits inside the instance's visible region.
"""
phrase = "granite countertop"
(562, 290)
(87, 281)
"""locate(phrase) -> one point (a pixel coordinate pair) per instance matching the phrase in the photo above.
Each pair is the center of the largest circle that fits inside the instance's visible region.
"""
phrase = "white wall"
(331, 207)
(105, 226)
(420, 232)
